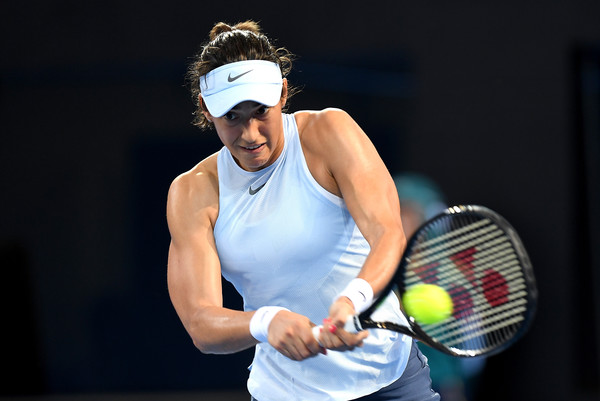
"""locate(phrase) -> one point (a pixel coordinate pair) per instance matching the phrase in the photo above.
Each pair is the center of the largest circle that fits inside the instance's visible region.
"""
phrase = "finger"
(312, 345)
(289, 350)
(294, 353)
(352, 339)
(320, 333)
(337, 337)
(331, 337)
(301, 349)
(329, 326)
(287, 354)
(332, 341)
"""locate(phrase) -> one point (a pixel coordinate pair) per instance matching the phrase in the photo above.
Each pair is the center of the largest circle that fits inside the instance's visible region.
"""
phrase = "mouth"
(254, 148)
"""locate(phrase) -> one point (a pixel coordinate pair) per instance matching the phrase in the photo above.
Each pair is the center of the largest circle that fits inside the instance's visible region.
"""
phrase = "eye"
(230, 116)
(262, 110)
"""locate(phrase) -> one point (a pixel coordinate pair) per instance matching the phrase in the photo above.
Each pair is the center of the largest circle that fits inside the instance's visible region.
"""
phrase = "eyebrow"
(254, 105)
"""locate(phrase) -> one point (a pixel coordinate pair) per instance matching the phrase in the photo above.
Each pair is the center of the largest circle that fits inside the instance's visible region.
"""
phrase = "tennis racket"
(476, 256)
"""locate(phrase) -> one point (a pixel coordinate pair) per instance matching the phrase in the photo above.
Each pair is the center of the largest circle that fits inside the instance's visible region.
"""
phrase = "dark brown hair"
(228, 44)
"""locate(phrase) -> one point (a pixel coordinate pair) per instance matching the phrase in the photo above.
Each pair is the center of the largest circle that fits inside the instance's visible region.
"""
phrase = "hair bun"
(221, 27)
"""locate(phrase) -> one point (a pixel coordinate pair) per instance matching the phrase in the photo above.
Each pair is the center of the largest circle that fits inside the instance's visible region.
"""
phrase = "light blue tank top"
(283, 240)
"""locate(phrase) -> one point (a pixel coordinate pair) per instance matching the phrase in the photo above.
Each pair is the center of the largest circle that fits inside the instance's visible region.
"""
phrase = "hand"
(291, 335)
(333, 336)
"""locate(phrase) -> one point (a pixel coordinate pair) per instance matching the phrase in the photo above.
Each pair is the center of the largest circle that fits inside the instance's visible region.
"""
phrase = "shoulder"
(325, 128)
(329, 130)
(195, 191)
(330, 139)
(202, 177)
(330, 119)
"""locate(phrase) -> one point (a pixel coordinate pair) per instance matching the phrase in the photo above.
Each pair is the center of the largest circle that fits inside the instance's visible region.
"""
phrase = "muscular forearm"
(216, 330)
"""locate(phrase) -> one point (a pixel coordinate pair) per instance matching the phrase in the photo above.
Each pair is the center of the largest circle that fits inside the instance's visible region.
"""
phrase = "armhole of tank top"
(336, 200)
(220, 156)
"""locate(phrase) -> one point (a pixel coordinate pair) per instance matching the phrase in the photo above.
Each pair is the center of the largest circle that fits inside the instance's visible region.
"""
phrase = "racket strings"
(445, 268)
(424, 246)
(483, 236)
(503, 316)
(476, 263)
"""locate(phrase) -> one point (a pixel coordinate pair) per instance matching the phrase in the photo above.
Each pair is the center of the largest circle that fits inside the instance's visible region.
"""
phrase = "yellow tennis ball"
(427, 303)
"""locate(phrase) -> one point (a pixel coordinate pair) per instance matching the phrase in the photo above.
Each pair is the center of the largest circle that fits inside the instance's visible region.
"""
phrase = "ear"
(204, 109)
(284, 92)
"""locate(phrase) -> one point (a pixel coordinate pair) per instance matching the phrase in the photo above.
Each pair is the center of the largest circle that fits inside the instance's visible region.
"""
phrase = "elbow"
(212, 348)
(208, 345)
(394, 238)
(214, 333)
(402, 240)
(394, 233)
(203, 342)
(204, 346)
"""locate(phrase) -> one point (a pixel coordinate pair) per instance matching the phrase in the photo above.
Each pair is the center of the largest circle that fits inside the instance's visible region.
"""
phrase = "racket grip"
(316, 330)
(353, 324)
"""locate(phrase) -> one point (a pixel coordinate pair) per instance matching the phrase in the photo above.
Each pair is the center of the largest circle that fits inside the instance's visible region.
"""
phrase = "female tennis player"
(299, 212)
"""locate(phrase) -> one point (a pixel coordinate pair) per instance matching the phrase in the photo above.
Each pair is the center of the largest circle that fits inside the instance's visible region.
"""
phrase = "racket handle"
(316, 330)
(353, 324)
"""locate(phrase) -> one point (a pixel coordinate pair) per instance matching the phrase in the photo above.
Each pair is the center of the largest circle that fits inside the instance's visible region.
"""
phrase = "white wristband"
(260, 321)
(359, 291)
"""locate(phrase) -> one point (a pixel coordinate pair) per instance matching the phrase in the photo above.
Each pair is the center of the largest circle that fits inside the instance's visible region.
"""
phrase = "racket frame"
(364, 321)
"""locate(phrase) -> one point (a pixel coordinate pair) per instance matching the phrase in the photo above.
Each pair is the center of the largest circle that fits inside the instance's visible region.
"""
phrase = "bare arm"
(194, 271)
(346, 163)
(371, 197)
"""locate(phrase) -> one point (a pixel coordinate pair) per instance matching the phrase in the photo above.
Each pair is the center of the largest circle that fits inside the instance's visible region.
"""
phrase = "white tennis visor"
(255, 80)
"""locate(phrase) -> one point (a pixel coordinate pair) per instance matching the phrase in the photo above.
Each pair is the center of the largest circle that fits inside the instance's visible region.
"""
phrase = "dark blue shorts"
(413, 385)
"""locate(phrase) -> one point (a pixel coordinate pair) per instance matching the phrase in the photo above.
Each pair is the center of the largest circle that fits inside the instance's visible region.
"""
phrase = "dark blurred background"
(497, 102)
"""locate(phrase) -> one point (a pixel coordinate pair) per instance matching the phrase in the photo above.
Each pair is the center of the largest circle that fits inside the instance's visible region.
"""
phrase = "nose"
(250, 132)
